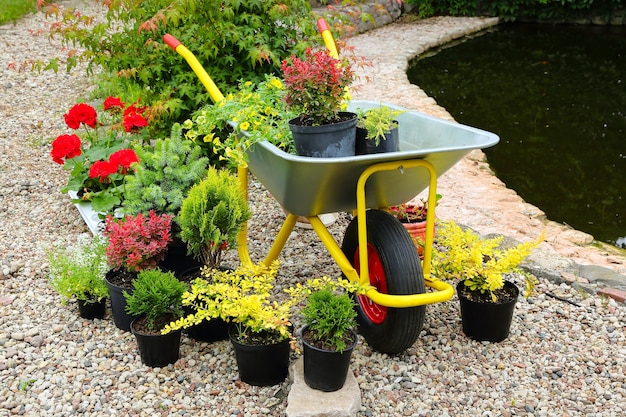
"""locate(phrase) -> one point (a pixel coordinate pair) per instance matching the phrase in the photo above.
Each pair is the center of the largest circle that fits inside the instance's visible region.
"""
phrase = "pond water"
(556, 96)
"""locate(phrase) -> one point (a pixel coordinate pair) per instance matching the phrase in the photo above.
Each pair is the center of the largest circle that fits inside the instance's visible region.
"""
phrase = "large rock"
(307, 402)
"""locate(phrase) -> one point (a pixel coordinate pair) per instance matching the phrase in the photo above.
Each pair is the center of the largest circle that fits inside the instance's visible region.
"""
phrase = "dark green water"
(556, 96)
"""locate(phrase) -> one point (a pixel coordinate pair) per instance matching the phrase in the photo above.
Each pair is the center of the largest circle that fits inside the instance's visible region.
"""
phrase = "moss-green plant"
(378, 121)
(233, 39)
(462, 255)
(157, 295)
(212, 216)
(329, 316)
(164, 175)
(77, 272)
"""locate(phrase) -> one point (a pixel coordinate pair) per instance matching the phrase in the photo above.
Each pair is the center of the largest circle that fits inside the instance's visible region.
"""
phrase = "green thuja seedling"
(330, 316)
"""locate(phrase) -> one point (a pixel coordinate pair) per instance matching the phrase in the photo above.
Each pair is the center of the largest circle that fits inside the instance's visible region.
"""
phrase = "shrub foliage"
(233, 39)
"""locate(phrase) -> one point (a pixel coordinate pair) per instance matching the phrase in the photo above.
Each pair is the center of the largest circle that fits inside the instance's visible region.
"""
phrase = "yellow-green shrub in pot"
(261, 329)
(480, 266)
(377, 130)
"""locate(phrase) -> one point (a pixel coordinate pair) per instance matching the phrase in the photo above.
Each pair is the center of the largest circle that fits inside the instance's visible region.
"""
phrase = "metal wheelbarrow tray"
(308, 186)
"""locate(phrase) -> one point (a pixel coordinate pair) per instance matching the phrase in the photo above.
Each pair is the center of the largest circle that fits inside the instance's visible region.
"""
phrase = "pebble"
(92, 368)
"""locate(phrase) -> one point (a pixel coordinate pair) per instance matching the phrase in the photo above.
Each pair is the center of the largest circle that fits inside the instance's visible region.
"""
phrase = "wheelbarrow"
(376, 248)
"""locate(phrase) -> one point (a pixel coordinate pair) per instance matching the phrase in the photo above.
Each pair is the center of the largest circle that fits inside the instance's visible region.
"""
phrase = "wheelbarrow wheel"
(394, 268)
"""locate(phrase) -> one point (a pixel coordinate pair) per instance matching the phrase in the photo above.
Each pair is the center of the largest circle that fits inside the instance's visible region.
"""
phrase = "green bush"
(158, 296)
(212, 216)
(330, 316)
(233, 39)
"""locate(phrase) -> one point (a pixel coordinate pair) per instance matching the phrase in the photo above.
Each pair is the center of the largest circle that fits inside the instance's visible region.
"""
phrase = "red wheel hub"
(374, 312)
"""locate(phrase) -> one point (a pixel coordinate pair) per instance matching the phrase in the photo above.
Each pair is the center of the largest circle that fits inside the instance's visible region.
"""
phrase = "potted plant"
(161, 182)
(210, 220)
(480, 265)
(156, 300)
(261, 329)
(328, 337)
(254, 113)
(135, 243)
(413, 218)
(377, 130)
(77, 273)
(99, 161)
(315, 88)
(212, 215)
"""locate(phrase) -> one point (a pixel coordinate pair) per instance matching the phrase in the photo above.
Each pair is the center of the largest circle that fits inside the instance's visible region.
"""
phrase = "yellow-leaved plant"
(462, 255)
(244, 297)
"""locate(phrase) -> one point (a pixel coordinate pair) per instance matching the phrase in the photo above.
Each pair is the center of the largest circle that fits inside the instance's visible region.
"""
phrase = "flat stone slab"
(308, 402)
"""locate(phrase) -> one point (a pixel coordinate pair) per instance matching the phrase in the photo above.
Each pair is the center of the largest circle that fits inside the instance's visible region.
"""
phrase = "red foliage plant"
(137, 242)
(315, 85)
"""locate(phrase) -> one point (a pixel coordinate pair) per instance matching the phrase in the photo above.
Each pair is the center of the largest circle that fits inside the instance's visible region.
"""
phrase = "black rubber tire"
(403, 275)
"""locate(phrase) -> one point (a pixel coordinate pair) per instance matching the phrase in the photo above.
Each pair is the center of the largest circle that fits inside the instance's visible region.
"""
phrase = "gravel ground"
(560, 359)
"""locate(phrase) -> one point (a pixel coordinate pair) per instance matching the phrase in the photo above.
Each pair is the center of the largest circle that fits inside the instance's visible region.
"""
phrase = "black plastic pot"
(209, 331)
(487, 321)
(367, 146)
(325, 141)
(326, 370)
(121, 318)
(177, 260)
(158, 350)
(92, 311)
(261, 365)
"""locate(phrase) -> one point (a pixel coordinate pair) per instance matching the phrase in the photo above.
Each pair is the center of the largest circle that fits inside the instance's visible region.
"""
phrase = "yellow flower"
(244, 126)
(276, 83)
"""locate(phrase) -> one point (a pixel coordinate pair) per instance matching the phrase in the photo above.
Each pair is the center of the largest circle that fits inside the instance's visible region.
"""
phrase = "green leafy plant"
(101, 160)
(164, 176)
(329, 316)
(378, 121)
(157, 295)
(256, 112)
(316, 85)
(212, 216)
(137, 242)
(233, 39)
(243, 297)
(462, 255)
(77, 272)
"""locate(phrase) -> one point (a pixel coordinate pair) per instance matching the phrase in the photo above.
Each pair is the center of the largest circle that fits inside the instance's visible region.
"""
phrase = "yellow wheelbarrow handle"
(206, 80)
(327, 36)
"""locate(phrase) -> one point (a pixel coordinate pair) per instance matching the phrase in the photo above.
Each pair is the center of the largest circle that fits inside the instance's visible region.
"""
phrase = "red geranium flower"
(102, 170)
(65, 146)
(133, 120)
(113, 103)
(124, 158)
(81, 113)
